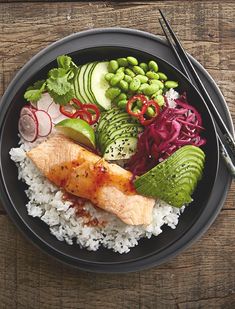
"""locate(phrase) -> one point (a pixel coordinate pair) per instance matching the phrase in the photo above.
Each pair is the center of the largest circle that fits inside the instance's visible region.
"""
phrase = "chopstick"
(227, 143)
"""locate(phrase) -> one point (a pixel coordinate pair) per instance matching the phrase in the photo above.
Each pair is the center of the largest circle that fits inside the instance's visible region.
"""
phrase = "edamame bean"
(171, 84)
(132, 60)
(129, 72)
(144, 66)
(142, 87)
(152, 75)
(151, 89)
(116, 78)
(160, 100)
(108, 76)
(122, 62)
(113, 66)
(122, 104)
(135, 84)
(121, 96)
(127, 78)
(153, 66)
(138, 70)
(160, 91)
(143, 79)
(136, 110)
(158, 82)
(162, 76)
(112, 92)
(139, 103)
(150, 112)
(124, 85)
(120, 70)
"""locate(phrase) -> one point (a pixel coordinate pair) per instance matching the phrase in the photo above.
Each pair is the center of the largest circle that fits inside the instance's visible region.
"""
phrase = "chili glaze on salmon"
(84, 174)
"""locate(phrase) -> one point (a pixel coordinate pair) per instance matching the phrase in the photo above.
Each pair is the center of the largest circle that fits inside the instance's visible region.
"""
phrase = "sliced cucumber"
(89, 83)
(81, 85)
(99, 85)
(86, 82)
(121, 148)
(76, 85)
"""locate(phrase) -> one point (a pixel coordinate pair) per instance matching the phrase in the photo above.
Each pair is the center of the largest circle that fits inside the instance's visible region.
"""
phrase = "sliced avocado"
(174, 179)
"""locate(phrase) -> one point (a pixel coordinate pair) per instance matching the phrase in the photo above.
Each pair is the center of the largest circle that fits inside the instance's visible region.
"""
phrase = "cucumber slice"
(121, 148)
(99, 85)
(80, 81)
(86, 82)
(89, 83)
(76, 86)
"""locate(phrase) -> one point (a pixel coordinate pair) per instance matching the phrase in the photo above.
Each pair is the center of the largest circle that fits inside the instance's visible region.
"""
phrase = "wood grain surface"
(202, 276)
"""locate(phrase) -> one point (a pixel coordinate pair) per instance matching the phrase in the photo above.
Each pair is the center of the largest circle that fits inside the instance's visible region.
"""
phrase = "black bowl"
(156, 250)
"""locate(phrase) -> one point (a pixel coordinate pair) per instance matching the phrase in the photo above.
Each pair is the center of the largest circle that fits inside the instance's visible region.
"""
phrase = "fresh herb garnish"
(58, 84)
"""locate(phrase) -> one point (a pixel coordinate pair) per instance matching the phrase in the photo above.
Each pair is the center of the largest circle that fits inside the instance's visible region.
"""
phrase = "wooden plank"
(197, 278)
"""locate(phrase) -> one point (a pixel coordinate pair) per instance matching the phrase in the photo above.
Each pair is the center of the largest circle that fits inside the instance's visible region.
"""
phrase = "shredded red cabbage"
(172, 129)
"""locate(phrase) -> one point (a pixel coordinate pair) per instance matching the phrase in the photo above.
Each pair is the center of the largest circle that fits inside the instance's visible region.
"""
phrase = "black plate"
(108, 44)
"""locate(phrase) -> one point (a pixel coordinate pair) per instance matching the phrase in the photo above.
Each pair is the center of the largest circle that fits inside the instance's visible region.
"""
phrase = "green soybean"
(153, 66)
(143, 79)
(142, 87)
(151, 89)
(120, 70)
(160, 100)
(171, 84)
(127, 78)
(150, 112)
(122, 62)
(139, 103)
(113, 66)
(158, 82)
(160, 91)
(124, 85)
(108, 76)
(144, 66)
(138, 70)
(121, 96)
(152, 75)
(132, 60)
(129, 72)
(162, 76)
(135, 84)
(122, 104)
(136, 110)
(112, 92)
(116, 78)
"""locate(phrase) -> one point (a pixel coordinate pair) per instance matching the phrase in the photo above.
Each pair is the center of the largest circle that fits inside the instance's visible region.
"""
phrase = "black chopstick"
(182, 55)
(221, 137)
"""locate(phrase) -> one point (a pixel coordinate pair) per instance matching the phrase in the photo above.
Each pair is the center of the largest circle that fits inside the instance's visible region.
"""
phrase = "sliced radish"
(44, 103)
(28, 127)
(27, 110)
(44, 123)
(59, 119)
(54, 110)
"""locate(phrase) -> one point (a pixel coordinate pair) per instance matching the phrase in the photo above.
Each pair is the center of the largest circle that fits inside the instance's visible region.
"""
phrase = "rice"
(46, 202)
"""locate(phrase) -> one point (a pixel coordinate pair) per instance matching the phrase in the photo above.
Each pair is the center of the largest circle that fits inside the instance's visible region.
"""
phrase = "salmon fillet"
(85, 174)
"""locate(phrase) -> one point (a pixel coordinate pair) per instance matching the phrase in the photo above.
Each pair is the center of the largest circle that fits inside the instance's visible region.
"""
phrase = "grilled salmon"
(85, 174)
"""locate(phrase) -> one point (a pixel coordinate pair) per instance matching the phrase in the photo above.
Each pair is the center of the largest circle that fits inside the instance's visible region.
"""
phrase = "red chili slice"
(95, 109)
(84, 115)
(142, 118)
(65, 112)
(132, 100)
(78, 103)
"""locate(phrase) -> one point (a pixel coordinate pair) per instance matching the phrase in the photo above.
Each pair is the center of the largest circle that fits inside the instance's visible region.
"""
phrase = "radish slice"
(54, 110)
(44, 103)
(28, 127)
(59, 119)
(27, 110)
(44, 123)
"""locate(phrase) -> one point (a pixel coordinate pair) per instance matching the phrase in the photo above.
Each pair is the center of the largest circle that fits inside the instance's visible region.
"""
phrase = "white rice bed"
(46, 202)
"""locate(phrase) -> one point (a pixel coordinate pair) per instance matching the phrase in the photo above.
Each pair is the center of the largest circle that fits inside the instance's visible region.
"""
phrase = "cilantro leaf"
(34, 93)
(62, 99)
(65, 62)
(60, 85)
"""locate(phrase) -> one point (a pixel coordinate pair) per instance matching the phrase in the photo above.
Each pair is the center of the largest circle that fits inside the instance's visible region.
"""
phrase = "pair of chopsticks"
(225, 138)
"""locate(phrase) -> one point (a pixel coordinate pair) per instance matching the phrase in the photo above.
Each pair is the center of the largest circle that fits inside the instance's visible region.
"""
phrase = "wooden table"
(202, 276)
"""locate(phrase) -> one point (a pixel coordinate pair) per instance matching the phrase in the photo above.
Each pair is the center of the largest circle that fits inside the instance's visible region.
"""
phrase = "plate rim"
(161, 41)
